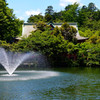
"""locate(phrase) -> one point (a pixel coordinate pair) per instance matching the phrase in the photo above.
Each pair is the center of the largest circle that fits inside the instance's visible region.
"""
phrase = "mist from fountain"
(11, 60)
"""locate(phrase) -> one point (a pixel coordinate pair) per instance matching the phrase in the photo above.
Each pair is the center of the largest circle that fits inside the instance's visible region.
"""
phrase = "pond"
(59, 84)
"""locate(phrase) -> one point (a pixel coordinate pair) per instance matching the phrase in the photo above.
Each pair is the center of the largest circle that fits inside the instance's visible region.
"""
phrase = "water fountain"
(11, 60)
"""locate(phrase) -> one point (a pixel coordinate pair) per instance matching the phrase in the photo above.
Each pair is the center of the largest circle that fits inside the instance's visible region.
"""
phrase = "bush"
(68, 31)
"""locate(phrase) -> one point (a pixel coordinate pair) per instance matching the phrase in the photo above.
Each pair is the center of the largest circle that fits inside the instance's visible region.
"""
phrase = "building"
(29, 27)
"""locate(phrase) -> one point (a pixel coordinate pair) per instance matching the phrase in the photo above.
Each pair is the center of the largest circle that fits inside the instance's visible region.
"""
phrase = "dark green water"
(70, 84)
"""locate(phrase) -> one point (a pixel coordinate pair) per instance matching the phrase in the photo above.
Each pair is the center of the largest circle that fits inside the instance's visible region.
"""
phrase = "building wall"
(27, 29)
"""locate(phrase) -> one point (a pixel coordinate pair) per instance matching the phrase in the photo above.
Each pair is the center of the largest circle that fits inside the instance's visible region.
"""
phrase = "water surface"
(67, 84)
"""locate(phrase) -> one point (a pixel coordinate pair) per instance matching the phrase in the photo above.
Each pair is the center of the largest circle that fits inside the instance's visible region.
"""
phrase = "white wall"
(27, 29)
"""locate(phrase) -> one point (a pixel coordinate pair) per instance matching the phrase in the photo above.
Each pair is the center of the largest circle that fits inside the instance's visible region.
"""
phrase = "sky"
(24, 8)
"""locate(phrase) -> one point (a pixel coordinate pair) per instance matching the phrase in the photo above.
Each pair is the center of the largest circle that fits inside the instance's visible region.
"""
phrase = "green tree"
(68, 31)
(57, 17)
(10, 27)
(94, 56)
(70, 13)
(48, 18)
(49, 10)
(82, 15)
(96, 15)
(35, 18)
(41, 26)
(92, 7)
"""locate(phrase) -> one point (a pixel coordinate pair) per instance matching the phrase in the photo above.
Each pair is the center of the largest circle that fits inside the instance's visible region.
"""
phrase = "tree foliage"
(68, 32)
(57, 44)
(10, 27)
(41, 26)
(35, 18)
(48, 18)
(92, 7)
(49, 10)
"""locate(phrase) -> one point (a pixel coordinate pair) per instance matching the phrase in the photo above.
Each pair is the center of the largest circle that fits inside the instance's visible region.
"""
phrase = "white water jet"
(11, 60)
